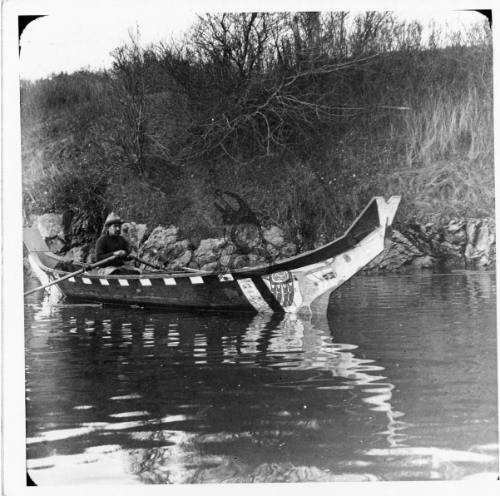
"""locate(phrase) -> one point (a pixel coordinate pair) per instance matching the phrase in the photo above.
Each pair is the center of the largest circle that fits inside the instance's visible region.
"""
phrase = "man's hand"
(119, 253)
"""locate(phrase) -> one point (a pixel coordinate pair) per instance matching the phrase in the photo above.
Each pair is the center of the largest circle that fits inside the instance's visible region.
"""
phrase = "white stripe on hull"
(253, 295)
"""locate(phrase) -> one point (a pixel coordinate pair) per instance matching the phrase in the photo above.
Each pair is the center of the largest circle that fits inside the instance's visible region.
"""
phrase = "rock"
(211, 244)
(181, 261)
(288, 250)
(175, 250)
(456, 244)
(448, 247)
(419, 236)
(425, 262)
(158, 241)
(272, 252)
(262, 253)
(399, 252)
(413, 242)
(480, 243)
(320, 241)
(455, 225)
(50, 225)
(226, 255)
(56, 245)
(238, 262)
(134, 234)
(209, 250)
(457, 238)
(77, 254)
(172, 232)
(210, 267)
(471, 230)
(274, 236)
(246, 237)
(255, 260)
(455, 234)
(156, 248)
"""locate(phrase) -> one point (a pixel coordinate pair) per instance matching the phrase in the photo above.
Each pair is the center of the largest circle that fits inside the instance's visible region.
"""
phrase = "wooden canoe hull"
(295, 285)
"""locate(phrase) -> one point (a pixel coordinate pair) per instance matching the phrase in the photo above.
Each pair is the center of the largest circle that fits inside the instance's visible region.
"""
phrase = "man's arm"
(102, 250)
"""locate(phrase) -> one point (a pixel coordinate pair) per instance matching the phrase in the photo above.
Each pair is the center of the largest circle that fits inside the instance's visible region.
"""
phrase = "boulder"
(50, 225)
(210, 267)
(320, 241)
(263, 253)
(480, 244)
(423, 238)
(451, 254)
(77, 254)
(175, 251)
(455, 226)
(246, 237)
(424, 262)
(238, 262)
(182, 261)
(226, 255)
(274, 236)
(56, 245)
(51, 229)
(471, 230)
(272, 252)
(255, 260)
(209, 250)
(159, 240)
(134, 234)
(399, 253)
(288, 250)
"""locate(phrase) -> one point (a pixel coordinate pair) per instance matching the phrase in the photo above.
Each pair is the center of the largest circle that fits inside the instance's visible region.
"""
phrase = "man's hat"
(112, 218)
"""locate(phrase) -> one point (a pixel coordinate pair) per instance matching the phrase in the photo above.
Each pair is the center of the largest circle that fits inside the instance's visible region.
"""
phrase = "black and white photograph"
(253, 244)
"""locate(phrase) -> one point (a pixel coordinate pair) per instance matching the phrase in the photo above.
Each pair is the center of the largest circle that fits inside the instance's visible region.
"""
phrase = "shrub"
(303, 115)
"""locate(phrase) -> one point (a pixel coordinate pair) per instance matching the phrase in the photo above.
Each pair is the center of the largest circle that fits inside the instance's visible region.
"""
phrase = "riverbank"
(161, 134)
(460, 243)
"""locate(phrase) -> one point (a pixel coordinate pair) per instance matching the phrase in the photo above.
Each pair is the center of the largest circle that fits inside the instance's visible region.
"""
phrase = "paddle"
(189, 269)
(142, 261)
(72, 274)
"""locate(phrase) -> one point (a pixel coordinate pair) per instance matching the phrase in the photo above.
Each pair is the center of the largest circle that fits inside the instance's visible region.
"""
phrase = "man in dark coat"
(112, 243)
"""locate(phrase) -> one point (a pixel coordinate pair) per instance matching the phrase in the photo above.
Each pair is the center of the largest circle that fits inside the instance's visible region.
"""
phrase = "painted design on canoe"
(298, 284)
(253, 295)
(281, 285)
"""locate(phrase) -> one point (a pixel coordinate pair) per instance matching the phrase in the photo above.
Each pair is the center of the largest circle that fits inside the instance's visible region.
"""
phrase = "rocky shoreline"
(461, 243)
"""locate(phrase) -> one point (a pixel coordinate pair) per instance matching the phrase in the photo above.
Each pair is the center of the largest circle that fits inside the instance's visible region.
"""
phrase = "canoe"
(300, 284)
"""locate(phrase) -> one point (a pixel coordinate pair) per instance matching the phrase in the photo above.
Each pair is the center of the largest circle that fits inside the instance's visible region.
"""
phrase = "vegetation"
(304, 115)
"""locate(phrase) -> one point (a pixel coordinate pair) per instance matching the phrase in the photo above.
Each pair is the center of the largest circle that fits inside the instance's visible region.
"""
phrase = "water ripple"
(391, 384)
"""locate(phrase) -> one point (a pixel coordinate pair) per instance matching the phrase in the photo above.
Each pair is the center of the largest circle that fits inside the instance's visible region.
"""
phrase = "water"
(398, 381)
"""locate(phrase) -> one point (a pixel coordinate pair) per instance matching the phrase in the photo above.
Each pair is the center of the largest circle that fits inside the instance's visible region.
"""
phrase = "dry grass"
(438, 154)
(448, 167)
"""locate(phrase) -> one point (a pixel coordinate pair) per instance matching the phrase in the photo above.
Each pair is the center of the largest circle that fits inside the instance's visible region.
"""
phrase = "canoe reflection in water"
(178, 398)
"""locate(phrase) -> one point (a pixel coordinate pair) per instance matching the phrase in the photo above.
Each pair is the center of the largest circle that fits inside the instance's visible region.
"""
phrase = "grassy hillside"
(305, 116)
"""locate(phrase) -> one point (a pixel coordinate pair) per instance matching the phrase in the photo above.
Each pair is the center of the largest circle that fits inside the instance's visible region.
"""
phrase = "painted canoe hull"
(295, 285)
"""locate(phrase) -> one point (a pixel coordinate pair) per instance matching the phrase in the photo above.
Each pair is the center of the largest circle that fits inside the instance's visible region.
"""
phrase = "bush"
(303, 115)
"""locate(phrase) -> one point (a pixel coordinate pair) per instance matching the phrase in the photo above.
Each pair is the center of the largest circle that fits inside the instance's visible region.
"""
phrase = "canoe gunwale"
(331, 249)
(291, 285)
